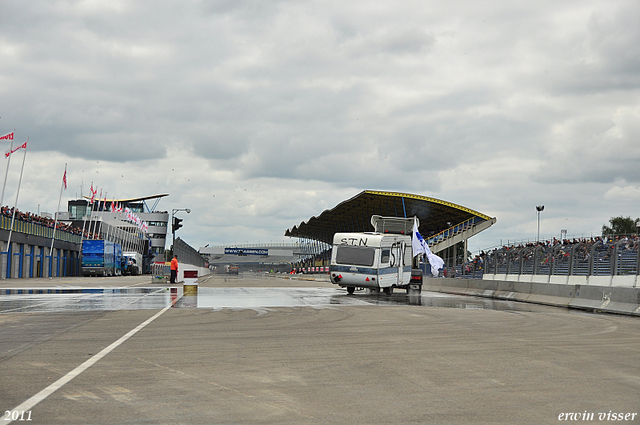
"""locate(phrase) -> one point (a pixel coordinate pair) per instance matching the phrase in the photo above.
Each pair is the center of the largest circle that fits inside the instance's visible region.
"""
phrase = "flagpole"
(15, 207)
(95, 222)
(55, 225)
(91, 218)
(109, 227)
(99, 229)
(5, 174)
(95, 225)
(84, 223)
(104, 208)
(92, 232)
(3, 187)
(84, 218)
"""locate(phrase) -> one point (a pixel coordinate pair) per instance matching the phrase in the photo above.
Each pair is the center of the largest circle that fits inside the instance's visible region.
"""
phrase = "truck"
(378, 260)
(232, 268)
(101, 258)
(132, 263)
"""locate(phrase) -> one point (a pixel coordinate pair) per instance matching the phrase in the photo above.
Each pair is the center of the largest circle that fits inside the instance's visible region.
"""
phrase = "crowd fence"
(37, 229)
(585, 258)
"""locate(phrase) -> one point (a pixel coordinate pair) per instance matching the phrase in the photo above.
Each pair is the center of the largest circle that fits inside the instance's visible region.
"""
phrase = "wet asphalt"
(275, 350)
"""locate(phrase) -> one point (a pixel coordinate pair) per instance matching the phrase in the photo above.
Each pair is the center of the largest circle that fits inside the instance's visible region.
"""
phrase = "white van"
(374, 260)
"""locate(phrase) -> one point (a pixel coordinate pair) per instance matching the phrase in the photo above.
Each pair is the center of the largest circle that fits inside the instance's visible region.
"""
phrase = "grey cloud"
(396, 40)
(600, 146)
(614, 40)
(342, 96)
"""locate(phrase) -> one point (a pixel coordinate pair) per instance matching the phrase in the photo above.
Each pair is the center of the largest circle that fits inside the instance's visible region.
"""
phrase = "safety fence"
(37, 229)
(587, 258)
(160, 272)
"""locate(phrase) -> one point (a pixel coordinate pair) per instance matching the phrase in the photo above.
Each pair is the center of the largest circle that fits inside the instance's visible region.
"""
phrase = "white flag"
(420, 246)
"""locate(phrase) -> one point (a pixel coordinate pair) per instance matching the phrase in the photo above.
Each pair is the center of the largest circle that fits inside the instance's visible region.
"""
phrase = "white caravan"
(376, 260)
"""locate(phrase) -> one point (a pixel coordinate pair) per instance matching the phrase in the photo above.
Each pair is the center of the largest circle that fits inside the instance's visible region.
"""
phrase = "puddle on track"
(43, 300)
(46, 300)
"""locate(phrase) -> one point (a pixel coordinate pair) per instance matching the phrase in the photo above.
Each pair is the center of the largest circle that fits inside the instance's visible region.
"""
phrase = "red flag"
(8, 136)
(64, 179)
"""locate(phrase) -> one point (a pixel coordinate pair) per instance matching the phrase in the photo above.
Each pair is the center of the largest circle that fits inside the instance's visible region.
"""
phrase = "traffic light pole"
(175, 223)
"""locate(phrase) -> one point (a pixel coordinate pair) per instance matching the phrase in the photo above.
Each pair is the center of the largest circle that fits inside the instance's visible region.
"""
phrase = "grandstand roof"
(354, 215)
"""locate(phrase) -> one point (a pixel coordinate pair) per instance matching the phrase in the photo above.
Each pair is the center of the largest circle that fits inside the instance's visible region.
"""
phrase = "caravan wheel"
(351, 290)
(388, 291)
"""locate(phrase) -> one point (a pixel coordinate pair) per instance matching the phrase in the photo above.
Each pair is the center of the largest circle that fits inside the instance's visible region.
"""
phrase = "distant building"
(282, 257)
(102, 217)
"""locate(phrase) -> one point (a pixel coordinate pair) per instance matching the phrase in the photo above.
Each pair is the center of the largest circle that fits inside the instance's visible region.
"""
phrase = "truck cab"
(132, 263)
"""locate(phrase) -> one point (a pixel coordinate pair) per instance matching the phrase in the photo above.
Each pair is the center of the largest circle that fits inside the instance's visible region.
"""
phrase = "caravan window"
(355, 255)
(384, 258)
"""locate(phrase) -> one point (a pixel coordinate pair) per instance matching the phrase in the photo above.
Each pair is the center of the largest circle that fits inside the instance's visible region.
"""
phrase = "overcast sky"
(258, 115)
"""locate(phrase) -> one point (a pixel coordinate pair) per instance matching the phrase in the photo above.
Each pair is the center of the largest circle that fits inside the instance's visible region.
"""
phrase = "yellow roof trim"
(144, 198)
(428, 199)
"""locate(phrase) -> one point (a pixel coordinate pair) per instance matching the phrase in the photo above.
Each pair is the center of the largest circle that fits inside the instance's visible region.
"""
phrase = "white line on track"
(141, 283)
(42, 395)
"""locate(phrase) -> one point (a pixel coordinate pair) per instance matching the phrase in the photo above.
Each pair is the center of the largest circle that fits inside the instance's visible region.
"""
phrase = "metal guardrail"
(586, 258)
(160, 273)
(37, 229)
(432, 240)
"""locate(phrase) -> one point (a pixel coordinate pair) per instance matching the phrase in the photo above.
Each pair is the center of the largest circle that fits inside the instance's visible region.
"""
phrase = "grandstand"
(443, 224)
(29, 253)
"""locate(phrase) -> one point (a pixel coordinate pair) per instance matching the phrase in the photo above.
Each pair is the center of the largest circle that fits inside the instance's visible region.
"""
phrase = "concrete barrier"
(190, 285)
(185, 266)
(610, 299)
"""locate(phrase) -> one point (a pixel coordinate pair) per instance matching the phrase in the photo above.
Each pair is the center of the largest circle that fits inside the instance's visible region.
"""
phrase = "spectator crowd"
(556, 250)
(29, 217)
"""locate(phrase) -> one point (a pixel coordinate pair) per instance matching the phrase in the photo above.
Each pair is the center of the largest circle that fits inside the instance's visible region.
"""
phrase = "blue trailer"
(101, 258)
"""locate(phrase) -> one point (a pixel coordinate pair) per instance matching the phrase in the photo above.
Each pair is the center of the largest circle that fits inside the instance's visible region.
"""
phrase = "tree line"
(621, 226)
